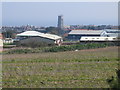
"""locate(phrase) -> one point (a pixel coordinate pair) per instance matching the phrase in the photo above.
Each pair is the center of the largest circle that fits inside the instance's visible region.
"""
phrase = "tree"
(114, 82)
(9, 34)
(52, 30)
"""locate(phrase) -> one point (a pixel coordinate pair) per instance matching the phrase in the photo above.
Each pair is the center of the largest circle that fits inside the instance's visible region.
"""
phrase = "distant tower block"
(60, 22)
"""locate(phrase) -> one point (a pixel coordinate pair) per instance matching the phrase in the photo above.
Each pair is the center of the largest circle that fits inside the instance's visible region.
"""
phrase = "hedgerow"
(60, 48)
(78, 47)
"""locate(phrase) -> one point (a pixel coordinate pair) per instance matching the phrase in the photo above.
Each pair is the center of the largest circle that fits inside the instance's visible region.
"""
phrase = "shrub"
(33, 43)
(77, 46)
(114, 82)
(58, 48)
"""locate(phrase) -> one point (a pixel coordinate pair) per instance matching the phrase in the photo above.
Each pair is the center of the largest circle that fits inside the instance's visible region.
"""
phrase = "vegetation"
(52, 30)
(114, 82)
(70, 69)
(8, 45)
(77, 47)
(32, 43)
(58, 48)
(9, 34)
(99, 27)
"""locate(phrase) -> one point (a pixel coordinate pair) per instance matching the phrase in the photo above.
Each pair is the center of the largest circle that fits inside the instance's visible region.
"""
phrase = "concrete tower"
(60, 22)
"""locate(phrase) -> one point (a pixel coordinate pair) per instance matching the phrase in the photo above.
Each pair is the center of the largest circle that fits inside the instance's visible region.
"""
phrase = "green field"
(70, 69)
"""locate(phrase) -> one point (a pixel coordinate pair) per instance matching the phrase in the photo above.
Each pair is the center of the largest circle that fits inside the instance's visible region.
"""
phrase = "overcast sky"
(46, 13)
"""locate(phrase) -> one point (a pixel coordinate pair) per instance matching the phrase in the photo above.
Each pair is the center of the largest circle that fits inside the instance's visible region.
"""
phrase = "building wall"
(75, 37)
(8, 40)
(99, 39)
(110, 33)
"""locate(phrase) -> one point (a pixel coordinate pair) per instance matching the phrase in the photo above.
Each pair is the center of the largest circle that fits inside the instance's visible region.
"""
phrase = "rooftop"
(35, 33)
(86, 32)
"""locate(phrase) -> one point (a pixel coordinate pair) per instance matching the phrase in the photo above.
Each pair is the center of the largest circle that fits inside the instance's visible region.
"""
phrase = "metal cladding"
(87, 32)
(44, 35)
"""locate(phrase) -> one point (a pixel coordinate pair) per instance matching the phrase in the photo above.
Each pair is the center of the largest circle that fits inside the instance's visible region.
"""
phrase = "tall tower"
(60, 22)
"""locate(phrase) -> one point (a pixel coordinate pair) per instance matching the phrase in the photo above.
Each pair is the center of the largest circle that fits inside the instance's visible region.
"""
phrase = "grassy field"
(70, 69)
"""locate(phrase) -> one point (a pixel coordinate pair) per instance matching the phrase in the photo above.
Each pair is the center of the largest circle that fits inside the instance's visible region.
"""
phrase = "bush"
(77, 47)
(19, 51)
(45, 48)
(114, 82)
(33, 43)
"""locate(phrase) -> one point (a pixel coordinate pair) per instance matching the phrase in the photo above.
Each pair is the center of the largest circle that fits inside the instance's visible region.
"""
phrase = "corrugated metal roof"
(30, 33)
(111, 30)
(35, 33)
(111, 33)
(86, 32)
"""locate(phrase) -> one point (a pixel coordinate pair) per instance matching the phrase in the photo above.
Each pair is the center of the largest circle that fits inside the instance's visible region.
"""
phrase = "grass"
(70, 69)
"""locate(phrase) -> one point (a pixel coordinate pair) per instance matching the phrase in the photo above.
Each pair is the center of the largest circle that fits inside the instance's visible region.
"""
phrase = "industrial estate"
(65, 56)
(57, 35)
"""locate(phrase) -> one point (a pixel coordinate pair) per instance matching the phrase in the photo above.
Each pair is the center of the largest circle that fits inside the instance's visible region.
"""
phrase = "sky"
(46, 13)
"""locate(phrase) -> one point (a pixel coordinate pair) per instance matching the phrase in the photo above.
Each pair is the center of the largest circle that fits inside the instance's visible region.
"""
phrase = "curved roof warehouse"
(41, 36)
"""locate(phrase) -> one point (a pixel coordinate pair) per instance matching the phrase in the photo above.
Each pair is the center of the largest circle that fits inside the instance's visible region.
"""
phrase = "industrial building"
(111, 33)
(99, 39)
(75, 35)
(27, 36)
(108, 35)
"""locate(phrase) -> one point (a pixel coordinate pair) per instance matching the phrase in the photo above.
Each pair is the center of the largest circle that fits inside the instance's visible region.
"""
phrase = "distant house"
(8, 40)
(35, 36)
(75, 35)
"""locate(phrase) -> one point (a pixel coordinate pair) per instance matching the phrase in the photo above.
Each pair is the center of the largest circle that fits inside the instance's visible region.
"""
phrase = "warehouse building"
(111, 33)
(35, 36)
(108, 35)
(75, 35)
(99, 39)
